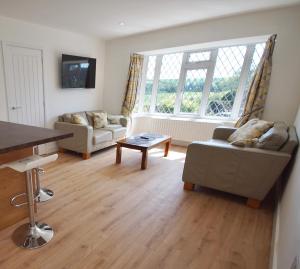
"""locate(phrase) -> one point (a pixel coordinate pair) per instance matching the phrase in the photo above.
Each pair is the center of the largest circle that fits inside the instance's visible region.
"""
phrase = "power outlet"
(295, 264)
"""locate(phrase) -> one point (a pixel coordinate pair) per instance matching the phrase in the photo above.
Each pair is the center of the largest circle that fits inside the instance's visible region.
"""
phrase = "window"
(149, 82)
(225, 81)
(210, 83)
(168, 83)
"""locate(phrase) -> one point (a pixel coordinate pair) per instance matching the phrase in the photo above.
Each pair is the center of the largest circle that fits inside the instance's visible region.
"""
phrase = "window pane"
(192, 91)
(225, 81)
(168, 83)
(149, 83)
(199, 56)
(258, 52)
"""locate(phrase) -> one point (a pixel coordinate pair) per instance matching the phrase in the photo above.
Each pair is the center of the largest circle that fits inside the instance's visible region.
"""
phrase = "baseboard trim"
(275, 238)
(52, 147)
(180, 143)
(276, 227)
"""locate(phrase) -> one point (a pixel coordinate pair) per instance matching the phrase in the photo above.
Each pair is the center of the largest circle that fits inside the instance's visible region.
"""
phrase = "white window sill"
(187, 118)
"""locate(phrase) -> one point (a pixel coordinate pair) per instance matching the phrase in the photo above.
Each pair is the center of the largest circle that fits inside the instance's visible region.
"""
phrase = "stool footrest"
(44, 195)
(14, 198)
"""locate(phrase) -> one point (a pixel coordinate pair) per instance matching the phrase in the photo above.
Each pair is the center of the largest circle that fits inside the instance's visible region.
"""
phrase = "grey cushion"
(118, 131)
(274, 138)
(101, 136)
(292, 142)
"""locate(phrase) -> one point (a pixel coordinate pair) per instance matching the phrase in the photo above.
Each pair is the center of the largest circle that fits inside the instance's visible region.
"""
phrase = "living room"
(142, 165)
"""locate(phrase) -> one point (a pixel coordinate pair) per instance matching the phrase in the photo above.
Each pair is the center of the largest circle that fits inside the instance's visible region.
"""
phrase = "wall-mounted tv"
(78, 72)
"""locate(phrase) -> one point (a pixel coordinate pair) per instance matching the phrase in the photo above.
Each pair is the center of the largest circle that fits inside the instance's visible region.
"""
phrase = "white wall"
(55, 42)
(287, 244)
(284, 94)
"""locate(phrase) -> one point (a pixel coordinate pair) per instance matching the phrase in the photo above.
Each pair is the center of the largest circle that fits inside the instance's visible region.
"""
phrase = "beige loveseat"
(86, 139)
(249, 172)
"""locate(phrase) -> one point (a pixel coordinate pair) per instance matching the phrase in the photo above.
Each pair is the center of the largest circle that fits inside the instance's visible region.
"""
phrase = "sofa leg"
(86, 156)
(253, 203)
(188, 186)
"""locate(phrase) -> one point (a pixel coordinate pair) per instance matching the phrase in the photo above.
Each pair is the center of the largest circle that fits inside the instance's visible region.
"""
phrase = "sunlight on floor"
(173, 155)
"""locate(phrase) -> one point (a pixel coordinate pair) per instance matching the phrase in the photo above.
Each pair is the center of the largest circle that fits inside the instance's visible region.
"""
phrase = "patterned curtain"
(134, 74)
(259, 87)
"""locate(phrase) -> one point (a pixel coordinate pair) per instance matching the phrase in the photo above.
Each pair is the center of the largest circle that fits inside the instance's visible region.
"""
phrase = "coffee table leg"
(144, 159)
(167, 146)
(118, 154)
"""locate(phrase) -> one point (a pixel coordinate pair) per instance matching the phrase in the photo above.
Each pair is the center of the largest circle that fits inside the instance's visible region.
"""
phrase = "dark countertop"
(18, 136)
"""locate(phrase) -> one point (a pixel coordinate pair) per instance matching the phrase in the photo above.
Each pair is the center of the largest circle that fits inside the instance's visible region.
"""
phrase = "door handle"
(16, 107)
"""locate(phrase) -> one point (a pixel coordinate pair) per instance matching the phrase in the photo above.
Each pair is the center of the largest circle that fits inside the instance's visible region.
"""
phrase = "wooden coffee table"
(143, 142)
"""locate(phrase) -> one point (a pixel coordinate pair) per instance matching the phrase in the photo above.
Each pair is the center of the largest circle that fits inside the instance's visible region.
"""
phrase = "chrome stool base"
(32, 237)
(44, 195)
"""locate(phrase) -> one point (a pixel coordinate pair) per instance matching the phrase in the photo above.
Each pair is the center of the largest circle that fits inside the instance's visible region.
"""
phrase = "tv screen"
(78, 72)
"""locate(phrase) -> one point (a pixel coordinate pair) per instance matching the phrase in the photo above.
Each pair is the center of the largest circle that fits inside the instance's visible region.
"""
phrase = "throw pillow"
(275, 138)
(90, 117)
(78, 119)
(100, 119)
(67, 117)
(247, 134)
(245, 142)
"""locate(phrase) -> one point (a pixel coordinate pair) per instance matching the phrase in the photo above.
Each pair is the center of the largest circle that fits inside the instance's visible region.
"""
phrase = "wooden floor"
(117, 216)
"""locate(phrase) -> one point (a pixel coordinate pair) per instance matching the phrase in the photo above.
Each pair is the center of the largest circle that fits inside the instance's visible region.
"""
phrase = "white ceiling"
(102, 17)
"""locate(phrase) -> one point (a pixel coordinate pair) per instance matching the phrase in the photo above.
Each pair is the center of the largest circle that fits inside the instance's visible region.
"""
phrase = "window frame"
(209, 65)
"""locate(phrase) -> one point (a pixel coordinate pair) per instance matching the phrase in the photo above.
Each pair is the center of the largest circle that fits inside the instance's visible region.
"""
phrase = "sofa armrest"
(82, 139)
(223, 132)
(118, 119)
(249, 172)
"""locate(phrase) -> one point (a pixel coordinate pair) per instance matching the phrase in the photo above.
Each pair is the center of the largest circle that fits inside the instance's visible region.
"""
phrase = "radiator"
(183, 131)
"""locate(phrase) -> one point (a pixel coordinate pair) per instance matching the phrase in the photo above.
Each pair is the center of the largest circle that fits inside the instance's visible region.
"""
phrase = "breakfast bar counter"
(16, 142)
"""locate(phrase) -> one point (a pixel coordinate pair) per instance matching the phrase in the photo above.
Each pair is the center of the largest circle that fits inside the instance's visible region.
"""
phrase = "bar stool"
(43, 194)
(33, 234)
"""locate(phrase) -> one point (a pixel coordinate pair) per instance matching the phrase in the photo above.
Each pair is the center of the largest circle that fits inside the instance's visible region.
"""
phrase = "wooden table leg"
(118, 154)
(144, 159)
(167, 146)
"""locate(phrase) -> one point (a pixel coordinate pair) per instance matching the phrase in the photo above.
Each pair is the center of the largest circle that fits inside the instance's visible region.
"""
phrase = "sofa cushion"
(117, 119)
(79, 119)
(247, 134)
(118, 131)
(100, 120)
(101, 136)
(274, 138)
(89, 116)
(113, 119)
(67, 117)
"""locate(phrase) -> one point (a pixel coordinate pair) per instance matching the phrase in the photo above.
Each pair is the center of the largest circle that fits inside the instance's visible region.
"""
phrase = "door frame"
(5, 45)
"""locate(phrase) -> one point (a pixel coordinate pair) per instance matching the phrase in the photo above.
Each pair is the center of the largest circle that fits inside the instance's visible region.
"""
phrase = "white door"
(24, 84)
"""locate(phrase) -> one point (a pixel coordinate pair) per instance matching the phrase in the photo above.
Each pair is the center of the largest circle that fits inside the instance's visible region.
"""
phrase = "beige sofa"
(249, 172)
(86, 139)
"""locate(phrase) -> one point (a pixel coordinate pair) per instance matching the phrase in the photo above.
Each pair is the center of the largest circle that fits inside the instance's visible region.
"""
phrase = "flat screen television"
(78, 72)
